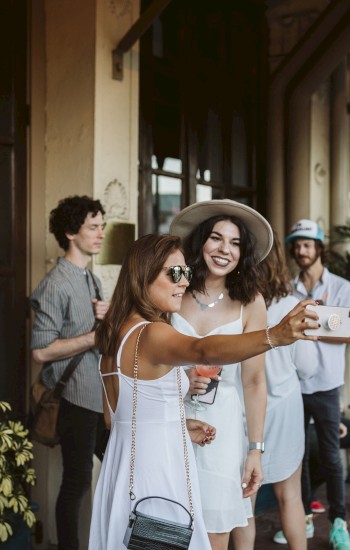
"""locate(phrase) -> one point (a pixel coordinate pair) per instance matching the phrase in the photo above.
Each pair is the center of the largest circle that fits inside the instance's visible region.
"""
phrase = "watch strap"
(257, 445)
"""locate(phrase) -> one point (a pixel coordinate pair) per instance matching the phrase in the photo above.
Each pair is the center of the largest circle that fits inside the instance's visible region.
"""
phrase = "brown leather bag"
(45, 406)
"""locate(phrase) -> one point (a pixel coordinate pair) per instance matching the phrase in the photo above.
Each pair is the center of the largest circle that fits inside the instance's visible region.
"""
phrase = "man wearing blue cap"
(321, 392)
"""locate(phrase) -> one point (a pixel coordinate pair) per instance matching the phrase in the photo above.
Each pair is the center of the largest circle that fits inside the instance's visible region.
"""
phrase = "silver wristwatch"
(258, 445)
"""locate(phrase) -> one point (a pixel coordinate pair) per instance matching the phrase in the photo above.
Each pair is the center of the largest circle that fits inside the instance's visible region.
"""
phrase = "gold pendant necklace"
(205, 306)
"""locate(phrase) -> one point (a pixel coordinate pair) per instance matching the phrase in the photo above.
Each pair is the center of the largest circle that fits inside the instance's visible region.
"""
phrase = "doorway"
(13, 230)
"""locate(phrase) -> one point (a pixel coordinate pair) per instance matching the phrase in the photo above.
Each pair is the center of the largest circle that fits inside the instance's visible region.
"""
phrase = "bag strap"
(97, 290)
(133, 431)
(68, 371)
(74, 362)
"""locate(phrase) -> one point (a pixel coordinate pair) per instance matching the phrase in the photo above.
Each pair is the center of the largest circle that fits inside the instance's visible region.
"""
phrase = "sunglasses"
(176, 272)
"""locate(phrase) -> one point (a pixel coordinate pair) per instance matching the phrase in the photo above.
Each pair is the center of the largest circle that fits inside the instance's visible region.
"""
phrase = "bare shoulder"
(162, 344)
(160, 331)
(258, 304)
(254, 314)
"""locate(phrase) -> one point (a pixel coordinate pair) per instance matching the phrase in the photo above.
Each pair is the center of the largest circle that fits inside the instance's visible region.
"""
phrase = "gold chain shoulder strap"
(183, 427)
(133, 429)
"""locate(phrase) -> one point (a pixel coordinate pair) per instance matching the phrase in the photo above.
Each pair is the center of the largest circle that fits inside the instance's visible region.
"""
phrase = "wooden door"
(13, 192)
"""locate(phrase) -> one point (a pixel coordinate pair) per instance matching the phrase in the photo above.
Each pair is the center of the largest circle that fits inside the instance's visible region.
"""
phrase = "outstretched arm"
(164, 345)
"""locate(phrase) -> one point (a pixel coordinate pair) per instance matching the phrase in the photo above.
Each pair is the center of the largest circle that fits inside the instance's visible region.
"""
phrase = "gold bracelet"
(268, 338)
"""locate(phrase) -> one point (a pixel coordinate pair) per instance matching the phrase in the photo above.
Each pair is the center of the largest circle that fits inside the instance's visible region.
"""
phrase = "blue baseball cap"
(305, 229)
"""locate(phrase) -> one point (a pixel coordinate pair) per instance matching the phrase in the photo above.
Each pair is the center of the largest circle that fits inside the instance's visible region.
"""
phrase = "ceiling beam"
(134, 34)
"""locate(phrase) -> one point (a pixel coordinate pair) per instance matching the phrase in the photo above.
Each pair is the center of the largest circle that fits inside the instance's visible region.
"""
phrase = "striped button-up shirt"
(62, 303)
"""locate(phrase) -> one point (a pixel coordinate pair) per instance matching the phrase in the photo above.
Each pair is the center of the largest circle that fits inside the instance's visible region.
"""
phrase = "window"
(202, 108)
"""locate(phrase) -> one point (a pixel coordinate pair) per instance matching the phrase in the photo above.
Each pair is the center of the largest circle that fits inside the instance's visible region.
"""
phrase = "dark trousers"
(81, 432)
(325, 410)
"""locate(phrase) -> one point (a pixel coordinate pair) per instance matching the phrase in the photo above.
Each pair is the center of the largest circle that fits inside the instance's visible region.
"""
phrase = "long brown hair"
(276, 279)
(141, 266)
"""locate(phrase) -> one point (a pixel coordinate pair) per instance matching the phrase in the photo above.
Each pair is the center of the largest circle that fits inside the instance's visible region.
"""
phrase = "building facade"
(151, 105)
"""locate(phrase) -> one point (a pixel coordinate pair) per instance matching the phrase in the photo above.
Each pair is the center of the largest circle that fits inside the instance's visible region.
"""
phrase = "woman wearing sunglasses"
(151, 286)
(224, 241)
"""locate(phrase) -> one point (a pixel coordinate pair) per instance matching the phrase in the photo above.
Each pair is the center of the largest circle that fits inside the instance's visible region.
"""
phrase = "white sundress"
(159, 463)
(220, 465)
(284, 421)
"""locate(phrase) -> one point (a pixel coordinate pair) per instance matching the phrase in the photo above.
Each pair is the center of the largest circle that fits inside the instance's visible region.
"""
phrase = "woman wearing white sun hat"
(224, 241)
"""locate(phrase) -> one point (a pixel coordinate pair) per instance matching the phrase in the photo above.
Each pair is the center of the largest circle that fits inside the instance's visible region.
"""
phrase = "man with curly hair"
(67, 305)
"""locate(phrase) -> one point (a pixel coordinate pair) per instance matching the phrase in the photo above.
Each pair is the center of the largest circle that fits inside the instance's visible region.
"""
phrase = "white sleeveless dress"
(159, 463)
(220, 465)
(284, 421)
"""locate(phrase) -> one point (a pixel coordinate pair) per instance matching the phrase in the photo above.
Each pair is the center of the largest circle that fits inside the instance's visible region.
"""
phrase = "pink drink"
(208, 370)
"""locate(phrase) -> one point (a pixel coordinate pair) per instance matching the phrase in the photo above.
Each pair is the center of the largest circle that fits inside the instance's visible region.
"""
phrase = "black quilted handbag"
(146, 532)
(153, 533)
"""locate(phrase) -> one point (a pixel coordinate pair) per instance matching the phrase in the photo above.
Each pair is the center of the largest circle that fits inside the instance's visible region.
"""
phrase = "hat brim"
(290, 238)
(190, 217)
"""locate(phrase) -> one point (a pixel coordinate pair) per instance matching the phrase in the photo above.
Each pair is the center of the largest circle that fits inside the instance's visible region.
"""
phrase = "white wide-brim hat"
(190, 217)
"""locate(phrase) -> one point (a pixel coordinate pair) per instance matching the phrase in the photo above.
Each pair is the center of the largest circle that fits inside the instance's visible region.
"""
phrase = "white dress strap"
(120, 349)
(126, 337)
(116, 373)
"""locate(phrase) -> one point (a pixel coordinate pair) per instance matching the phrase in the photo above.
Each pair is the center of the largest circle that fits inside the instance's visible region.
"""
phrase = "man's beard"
(311, 261)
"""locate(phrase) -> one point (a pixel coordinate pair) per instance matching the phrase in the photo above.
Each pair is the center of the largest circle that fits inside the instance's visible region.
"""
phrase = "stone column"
(298, 159)
(340, 167)
(340, 159)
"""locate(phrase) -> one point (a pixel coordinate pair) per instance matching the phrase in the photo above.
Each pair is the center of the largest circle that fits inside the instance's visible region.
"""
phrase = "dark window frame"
(249, 102)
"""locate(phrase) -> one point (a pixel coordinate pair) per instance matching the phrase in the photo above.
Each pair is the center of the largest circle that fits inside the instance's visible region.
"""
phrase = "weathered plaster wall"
(70, 90)
(116, 123)
(83, 140)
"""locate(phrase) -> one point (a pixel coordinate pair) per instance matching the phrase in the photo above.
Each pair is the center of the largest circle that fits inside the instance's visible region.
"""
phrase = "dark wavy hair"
(276, 281)
(69, 216)
(141, 266)
(242, 282)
